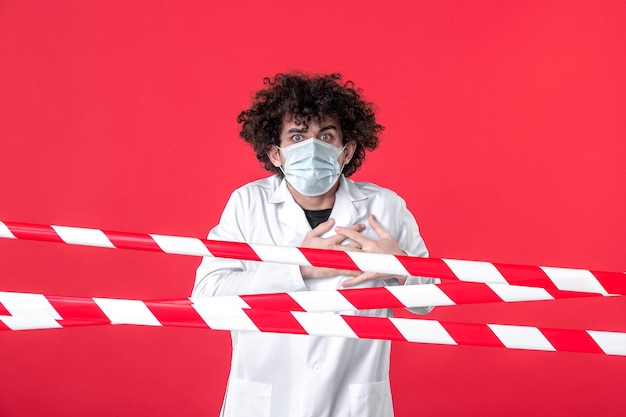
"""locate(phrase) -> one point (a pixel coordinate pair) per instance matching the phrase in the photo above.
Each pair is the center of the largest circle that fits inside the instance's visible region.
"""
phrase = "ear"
(273, 154)
(349, 152)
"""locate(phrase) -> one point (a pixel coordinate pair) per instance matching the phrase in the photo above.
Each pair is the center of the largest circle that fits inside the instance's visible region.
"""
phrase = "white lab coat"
(283, 375)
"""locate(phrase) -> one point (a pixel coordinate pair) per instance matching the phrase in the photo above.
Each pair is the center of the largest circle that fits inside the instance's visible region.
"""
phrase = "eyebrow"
(329, 127)
(304, 130)
(296, 130)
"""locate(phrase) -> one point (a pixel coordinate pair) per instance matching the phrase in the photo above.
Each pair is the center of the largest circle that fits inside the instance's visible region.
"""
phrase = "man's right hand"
(314, 239)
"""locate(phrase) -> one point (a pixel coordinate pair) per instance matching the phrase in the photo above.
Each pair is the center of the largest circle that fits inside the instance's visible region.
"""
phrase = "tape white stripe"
(316, 301)
(28, 304)
(612, 343)
(475, 271)
(83, 236)
(30, 323)
(222, 302)
(521, 337)
(378, 262)
(5, 232)
(225, 318)
(326, 324)
(574, 279)
(520, 293)
(280, 254)
(127, 311)
(181, 245)
(426, 331)
(420, 295)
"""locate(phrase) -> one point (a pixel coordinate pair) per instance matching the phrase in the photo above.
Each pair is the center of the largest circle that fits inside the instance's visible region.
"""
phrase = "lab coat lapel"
(350, 204)
(291, 217)
(350, 208)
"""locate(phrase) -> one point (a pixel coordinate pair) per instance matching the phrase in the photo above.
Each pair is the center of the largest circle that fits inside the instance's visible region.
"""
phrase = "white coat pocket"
(247, 399)
(371, 400)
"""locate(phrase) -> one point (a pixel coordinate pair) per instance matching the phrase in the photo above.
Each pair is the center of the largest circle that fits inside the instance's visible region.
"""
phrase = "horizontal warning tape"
(35, 311)
(549, 278)
(410, 296)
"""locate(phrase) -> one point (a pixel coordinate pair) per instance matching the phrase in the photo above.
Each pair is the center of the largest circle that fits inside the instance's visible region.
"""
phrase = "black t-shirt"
(315, 217)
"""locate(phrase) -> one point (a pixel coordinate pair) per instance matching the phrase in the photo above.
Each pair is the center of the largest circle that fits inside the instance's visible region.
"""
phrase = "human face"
(327, 130)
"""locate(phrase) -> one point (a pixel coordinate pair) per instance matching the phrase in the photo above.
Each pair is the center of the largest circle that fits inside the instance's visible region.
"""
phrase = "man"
(313, 133)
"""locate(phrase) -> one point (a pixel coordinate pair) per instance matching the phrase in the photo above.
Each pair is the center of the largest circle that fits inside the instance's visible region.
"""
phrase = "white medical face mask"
(312, 166)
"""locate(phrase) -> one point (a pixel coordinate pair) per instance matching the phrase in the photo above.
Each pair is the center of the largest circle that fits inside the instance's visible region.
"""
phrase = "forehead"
(291, 121)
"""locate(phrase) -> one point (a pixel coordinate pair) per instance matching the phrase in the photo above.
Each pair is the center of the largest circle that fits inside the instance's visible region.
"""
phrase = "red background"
(505, 134)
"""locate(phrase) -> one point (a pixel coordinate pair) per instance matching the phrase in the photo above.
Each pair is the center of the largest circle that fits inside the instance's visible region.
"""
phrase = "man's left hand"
(385, 244)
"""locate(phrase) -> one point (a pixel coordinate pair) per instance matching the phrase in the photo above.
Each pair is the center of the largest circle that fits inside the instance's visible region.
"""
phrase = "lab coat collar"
(280, 193)
(350, 205)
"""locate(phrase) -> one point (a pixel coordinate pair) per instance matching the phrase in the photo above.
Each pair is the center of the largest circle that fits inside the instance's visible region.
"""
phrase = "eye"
(297, 138)
(326, 137)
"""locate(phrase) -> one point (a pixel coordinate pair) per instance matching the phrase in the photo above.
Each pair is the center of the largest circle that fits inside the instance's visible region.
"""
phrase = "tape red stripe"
(372, 298)
(276, 302)
(532, 276)
(277, 322)
(613, 282)
(4, 311)
(466, 293)
(3, 326)
(123, 240)
(427, 267)
(472, 334)
(571, 294)
(233, 250)
(179, 314)
(373, 329)
(78, 309)
(80, 323)
(33, 232)
(571, 340)
(336, 259)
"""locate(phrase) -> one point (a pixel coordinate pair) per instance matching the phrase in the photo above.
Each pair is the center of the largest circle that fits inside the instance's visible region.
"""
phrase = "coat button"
(317, 368)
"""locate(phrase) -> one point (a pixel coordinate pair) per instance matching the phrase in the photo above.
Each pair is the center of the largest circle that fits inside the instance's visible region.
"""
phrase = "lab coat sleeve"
(221, 277)
(410, 240)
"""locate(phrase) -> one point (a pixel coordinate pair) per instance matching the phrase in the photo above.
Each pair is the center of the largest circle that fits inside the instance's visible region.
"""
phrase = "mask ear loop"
(281, 165)
(281, 162)
(343, 164)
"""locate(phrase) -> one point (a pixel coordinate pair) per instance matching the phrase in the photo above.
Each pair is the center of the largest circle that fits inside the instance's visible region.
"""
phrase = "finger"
(339, 238)
(322, 228)
(349, 272)
(362, 277)
(316, 273)
(350, 233)
(352, 246)
(359, 227)
(336, 239)
(380, 230)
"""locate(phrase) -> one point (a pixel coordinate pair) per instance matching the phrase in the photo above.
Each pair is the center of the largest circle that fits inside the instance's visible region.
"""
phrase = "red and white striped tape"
(346, 299)
(35, 311)
(395, 297)
(551, 278)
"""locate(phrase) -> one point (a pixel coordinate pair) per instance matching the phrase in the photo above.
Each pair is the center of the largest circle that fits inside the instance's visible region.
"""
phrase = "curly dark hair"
(309, 97)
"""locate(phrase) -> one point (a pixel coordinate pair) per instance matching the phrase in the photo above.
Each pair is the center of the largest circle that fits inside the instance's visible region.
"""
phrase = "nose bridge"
(313, 148)
(312, 133)
(314, 145)
(313, 129)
